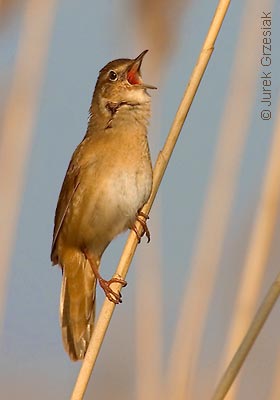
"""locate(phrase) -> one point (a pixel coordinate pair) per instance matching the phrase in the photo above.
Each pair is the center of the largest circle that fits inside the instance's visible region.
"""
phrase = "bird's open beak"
(134, 74)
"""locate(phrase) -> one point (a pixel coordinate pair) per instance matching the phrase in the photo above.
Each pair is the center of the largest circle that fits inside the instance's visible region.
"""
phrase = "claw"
(137, 233)
(144, 226)
(115, 297)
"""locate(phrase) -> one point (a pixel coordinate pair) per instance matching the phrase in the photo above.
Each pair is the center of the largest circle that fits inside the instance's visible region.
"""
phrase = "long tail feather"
(77, 305)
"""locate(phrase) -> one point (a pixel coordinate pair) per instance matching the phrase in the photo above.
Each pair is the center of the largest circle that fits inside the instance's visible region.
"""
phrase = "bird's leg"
(144, 226)
(115, 297)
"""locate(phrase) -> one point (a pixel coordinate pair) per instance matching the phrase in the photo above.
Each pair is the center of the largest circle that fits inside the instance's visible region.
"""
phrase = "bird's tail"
(77, 305)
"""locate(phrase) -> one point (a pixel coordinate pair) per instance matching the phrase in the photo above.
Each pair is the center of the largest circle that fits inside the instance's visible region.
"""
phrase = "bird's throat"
(107, 114)
(132, 113)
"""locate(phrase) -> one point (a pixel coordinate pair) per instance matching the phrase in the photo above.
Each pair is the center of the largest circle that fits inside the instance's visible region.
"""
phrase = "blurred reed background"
(215, 227)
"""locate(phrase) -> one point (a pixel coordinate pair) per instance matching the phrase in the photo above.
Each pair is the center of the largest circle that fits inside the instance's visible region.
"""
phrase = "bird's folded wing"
(70, 185)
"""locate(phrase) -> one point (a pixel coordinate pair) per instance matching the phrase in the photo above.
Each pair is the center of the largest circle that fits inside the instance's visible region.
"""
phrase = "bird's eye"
(113, 76)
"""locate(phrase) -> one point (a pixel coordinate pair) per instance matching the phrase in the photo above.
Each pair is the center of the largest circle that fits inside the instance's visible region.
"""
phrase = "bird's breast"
(128, 179)
(128, 190)
(114, 189)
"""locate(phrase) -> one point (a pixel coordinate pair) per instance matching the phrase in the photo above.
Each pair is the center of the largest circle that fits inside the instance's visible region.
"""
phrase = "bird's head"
(121, 81)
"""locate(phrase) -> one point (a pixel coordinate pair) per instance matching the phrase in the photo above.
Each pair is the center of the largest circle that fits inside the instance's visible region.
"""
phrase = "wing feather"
(80, 160)
(69, 187)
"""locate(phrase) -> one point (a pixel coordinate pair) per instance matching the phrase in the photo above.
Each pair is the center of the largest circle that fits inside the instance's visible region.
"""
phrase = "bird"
(108, 180)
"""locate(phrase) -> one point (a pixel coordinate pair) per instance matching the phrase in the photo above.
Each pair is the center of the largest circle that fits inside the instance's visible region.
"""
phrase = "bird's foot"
(144, 226)
(115, 297)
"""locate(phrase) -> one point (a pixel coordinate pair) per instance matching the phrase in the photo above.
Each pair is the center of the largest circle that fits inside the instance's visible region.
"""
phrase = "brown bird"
(108, 180)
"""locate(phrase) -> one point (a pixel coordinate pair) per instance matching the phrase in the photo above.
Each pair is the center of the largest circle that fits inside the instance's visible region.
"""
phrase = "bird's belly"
(127, 192)
(122, 196)
(114, 210)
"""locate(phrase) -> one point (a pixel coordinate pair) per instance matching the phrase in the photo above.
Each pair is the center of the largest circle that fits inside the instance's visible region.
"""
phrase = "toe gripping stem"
(144, 226)
(111, 295)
